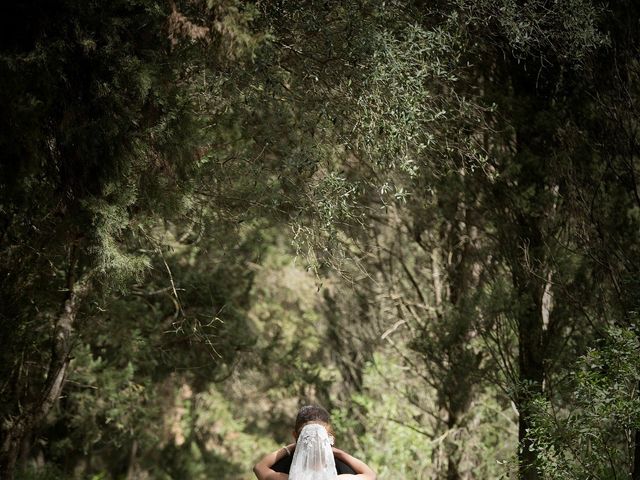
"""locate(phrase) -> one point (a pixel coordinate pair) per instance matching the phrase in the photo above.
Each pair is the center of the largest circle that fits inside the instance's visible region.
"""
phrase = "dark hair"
(311, 413)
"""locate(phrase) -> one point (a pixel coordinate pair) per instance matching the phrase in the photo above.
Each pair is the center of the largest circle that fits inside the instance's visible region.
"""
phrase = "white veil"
(313, 457)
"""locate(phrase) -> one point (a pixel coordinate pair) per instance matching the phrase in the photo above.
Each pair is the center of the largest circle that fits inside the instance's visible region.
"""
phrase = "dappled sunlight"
(385, 240)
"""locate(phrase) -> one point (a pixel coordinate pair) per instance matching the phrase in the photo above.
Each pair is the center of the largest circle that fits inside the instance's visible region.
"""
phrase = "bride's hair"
(313, 414)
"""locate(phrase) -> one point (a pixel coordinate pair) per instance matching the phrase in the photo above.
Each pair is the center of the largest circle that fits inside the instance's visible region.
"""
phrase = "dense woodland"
(423, 215)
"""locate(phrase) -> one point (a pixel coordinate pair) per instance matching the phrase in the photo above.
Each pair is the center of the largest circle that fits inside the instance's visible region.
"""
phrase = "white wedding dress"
(313, 456)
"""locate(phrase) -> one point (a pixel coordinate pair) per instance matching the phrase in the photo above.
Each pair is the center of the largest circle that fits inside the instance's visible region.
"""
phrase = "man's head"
(312, 414)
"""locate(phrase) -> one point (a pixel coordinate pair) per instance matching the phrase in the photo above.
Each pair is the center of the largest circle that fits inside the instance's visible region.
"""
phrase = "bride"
(314, 457)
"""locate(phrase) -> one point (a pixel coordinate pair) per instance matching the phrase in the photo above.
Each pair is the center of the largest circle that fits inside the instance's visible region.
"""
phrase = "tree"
(103, 140)
(594, 437)
(438, 161)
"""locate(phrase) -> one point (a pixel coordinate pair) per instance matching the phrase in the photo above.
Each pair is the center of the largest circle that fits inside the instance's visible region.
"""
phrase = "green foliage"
(402, 438)
(565, 32)
(105, 404)
(395, 442)
(458, 181)
(592, 436)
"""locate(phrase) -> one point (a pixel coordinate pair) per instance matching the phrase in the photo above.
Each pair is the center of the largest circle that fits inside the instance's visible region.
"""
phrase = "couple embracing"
(312, 456)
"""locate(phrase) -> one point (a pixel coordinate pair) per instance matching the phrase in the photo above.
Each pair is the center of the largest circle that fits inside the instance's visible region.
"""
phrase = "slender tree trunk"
(530, 286)
(531, 378)
(132, 470)
(636, 457)
(350, 358)
(635, 474)
(14, 431)
(453, 459)
(526, 239)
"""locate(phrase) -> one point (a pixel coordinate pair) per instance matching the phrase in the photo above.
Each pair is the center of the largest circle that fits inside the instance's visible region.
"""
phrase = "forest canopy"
(424, 216)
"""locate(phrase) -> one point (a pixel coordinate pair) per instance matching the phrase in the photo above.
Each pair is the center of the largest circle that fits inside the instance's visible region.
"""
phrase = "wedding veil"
(313, 456)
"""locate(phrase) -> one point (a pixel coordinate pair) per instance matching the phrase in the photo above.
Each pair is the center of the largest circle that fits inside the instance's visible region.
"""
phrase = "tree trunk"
(531, 208)
(22, 425)
(635, 474)
(531, 378)
(530, 288)
(132, 470)
(453, 459)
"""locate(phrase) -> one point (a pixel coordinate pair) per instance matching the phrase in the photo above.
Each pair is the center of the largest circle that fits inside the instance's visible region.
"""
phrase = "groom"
(309, 413)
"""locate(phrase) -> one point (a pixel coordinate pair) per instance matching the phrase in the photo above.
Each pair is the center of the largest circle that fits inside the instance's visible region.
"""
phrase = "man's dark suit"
(284, 464)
